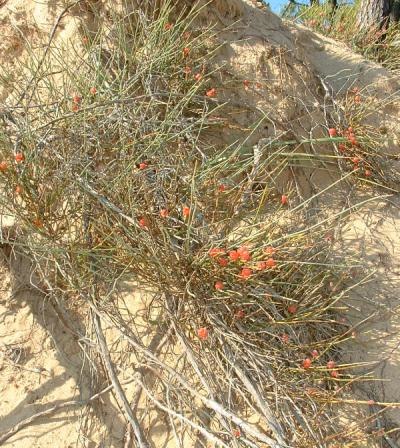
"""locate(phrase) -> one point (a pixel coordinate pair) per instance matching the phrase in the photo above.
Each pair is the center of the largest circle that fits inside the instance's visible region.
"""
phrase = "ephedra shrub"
(108, 173)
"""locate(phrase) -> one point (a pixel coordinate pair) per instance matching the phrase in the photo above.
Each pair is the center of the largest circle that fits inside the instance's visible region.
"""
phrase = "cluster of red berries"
(164, 213)
(356, 95)
(330, 365)
(77, 99)
(18, 157)
(242, 254)
(348, 148)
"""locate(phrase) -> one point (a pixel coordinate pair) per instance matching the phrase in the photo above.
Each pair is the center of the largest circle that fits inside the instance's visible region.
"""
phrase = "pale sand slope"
(31, 337)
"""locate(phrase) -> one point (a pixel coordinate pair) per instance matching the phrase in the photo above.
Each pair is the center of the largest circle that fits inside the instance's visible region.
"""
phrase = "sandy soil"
(40, 361)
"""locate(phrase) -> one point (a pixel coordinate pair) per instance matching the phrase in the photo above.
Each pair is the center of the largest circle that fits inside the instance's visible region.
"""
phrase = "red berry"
(211, 93)
(223, 262)
(261, 265)
(216, 252)
(164, 213)
(143, 165)
(353, 141)
(236, 433)
(186, 211)
(143, 222)
(270, 263)
(18, 189)
(202, 333)
(76, 99)
(334, 373)
(19, 157)
(93, 90)
(284, 199)
(332, 132)
(234, 255)
(342, 147)
(221, 188)
(244, 254)
(246, 84)
(168, 26)
(198, 76)
(306, 363)
(219, 285)
(331, 364)
(368, 173)
(3, 166)
(246, 273)
(355, 160)
(186, 52)
(314, 353)
(292, 309)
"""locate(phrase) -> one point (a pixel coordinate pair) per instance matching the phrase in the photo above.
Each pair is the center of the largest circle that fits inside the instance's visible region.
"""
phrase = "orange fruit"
(211, 93)
(202, 333)
(216, 252)
(270, 263)
(143, 222)
(292, 308)
(19, 157)
(244, 253)
(331, 364)
(261, 265)
(246, 273)
(236, 433)
(219, 285)
(164, 213)
(306, 363)
(223, 262)
(234, 255)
